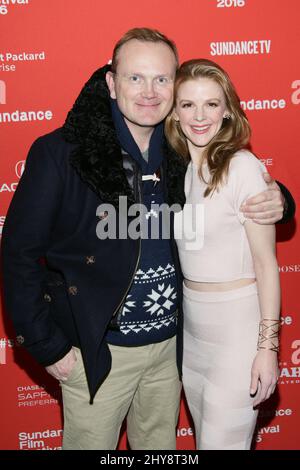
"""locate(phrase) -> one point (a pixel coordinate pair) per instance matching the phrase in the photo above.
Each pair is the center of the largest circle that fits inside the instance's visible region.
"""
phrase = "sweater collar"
(128, 143)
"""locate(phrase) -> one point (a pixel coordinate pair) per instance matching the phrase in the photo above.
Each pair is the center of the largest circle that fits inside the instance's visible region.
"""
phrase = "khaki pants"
(142, 384)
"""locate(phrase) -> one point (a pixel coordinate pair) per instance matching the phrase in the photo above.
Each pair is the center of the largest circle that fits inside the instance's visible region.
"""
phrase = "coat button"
(73, 290)
(90, 259)
(20, 339)
(47, 297)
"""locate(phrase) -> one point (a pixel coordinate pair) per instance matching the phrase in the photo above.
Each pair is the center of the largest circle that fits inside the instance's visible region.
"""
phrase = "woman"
(231, 280)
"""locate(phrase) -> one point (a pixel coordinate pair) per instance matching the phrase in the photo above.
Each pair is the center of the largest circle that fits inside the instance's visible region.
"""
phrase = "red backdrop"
(48, 49)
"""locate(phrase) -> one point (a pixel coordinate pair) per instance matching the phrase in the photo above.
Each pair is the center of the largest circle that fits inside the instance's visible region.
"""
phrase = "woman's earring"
(227, 116)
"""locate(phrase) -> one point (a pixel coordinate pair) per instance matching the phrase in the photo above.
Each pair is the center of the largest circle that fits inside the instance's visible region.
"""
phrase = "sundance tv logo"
(250, 47)
(5, 5)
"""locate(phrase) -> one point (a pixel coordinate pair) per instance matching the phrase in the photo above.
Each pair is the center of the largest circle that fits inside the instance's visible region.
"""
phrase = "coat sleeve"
(290, 205)
(26, 237)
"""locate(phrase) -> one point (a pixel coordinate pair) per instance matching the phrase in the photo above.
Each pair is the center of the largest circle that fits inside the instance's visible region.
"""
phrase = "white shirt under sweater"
(222, 252)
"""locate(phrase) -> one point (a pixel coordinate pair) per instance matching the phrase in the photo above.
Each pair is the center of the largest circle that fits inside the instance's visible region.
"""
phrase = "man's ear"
(110, 80)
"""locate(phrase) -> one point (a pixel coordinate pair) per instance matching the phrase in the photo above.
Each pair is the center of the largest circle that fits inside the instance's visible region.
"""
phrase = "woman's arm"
(264, 372)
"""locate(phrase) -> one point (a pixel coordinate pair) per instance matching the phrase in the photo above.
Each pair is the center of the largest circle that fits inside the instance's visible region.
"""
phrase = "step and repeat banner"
(48, 50)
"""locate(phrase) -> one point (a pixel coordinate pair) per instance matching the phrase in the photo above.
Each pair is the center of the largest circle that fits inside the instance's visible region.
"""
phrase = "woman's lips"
(200, 129)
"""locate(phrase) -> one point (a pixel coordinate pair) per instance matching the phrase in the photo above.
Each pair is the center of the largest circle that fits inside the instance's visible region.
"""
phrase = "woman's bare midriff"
(218, 286)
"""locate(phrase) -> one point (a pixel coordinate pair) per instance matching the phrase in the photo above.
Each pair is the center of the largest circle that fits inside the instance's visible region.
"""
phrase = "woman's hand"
(266, 207)
(264, 375)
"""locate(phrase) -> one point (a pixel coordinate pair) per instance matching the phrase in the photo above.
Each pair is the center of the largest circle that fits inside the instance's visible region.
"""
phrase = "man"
(101, 314)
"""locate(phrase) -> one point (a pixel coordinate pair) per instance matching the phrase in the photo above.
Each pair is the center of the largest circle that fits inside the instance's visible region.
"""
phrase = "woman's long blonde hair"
(234, 133)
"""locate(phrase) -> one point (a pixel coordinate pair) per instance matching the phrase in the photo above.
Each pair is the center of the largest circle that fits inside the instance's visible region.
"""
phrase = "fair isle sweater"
(149, 311)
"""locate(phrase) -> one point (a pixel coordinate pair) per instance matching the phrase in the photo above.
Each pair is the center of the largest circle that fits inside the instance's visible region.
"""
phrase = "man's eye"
(162, 80)
(135, 78)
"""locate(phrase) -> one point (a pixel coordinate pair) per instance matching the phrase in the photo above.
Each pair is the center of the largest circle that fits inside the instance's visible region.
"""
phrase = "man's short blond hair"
(143, 35)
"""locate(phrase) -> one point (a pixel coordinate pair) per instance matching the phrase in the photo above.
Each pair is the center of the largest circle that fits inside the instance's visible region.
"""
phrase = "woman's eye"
(187, 105)
(213, 105)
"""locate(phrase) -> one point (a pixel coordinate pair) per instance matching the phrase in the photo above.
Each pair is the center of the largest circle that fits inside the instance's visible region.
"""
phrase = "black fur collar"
(97, 155)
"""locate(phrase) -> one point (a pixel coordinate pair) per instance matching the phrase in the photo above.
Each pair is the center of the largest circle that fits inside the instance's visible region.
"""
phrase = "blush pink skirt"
(220, 344)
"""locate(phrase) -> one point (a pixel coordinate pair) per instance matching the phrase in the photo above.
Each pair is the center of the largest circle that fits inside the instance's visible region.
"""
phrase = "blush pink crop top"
(210, 235)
